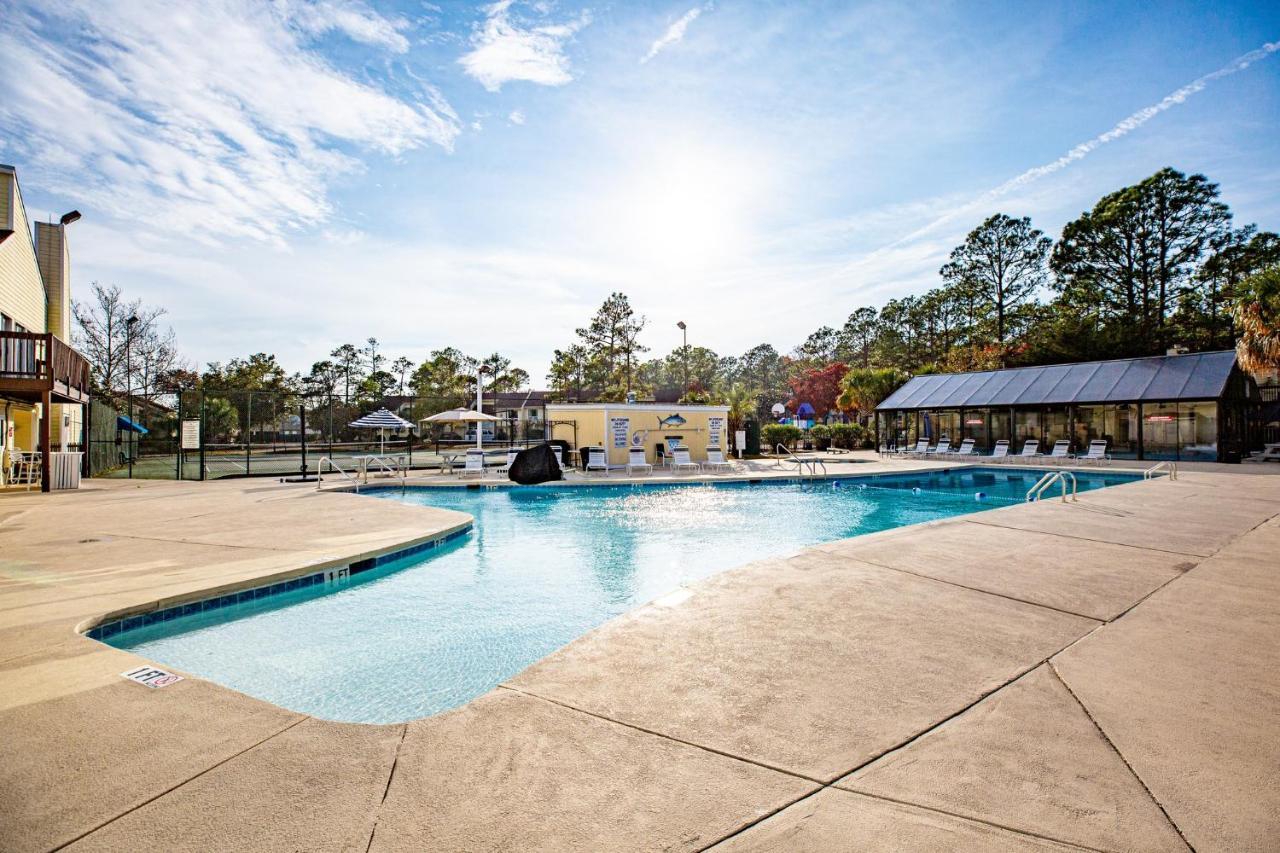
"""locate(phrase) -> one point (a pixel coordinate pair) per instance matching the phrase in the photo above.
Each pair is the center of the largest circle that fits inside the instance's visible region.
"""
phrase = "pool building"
(1178, 406)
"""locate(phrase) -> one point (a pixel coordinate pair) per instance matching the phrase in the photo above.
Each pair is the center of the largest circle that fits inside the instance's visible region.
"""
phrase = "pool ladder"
(801, 463)
(1167, 465)
(333, 466)
(1050, 477)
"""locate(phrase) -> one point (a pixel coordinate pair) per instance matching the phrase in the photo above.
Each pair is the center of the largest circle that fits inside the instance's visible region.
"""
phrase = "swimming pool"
(543, 565)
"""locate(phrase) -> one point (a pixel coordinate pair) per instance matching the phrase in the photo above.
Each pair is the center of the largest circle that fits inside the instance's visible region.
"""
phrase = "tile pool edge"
(333, 572)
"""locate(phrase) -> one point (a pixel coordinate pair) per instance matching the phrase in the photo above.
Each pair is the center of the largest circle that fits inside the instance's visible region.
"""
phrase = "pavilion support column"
(46, 423)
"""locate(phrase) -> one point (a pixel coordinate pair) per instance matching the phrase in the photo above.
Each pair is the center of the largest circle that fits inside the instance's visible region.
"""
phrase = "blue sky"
(291, 175)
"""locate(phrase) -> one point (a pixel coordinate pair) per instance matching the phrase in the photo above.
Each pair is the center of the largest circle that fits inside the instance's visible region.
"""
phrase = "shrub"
(785, 434)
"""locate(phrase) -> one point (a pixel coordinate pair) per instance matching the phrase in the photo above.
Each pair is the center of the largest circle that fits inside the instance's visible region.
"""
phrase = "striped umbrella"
(383, 420)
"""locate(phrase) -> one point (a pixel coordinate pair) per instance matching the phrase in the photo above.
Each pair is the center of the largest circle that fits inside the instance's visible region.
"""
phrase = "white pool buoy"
(915, 490)
(979, 496)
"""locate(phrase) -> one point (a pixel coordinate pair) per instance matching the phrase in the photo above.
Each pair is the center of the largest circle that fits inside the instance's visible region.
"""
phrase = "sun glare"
(684, 209)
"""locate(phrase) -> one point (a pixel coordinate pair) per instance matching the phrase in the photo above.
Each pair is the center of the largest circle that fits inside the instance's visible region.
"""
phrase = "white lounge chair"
(943, 448)
(921, 448)
(596, 462)
(474, 465)
(680, 460)
(637, 462)
(1097, 452)
(966, 448)
(716, 461)
(1000, 451)
(505, 467)
(1030, 450)
(555, 452)
(1061, 451)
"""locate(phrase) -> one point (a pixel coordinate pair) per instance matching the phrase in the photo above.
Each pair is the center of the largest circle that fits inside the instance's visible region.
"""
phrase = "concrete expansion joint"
(1115, 749)
(391, 775)
(172, 788)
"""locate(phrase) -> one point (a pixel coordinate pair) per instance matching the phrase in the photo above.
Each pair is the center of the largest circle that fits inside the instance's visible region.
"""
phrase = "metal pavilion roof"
(1199, 376)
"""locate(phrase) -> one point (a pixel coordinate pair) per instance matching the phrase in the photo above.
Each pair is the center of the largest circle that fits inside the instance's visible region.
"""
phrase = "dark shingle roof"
(1200, 376)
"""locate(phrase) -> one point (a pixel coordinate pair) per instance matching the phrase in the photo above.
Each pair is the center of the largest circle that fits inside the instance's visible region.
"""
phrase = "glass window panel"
(1056, 426)
(1000, 426)
(1090, 425)
(1121, 430)
(1198, 431)
(975, 427)
(1160, 431)
(1027, 424)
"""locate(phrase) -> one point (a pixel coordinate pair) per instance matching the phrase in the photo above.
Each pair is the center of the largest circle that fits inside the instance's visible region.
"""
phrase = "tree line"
(1155, 265)
(1150, 266)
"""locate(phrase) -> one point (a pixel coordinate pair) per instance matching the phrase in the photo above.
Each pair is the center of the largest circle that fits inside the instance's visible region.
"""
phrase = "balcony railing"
(39, 361)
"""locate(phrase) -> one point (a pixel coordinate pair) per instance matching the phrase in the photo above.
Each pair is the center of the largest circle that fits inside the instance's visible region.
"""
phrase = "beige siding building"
(43, 381)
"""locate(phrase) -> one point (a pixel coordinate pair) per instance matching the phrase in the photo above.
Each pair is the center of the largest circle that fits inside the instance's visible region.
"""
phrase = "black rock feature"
(535, 465)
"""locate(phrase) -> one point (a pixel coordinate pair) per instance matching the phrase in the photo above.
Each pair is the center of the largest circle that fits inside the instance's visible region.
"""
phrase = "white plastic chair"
(505, 467)
(1000, 451)
(1061, 450)
(636, 461)
(1097, 452)
(596, 461)
(681, 460)
(474, 464)
(1030, 450)
(26, 467)
(716, 461)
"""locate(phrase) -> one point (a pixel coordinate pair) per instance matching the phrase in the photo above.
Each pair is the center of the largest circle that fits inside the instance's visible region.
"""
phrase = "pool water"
(542, 566)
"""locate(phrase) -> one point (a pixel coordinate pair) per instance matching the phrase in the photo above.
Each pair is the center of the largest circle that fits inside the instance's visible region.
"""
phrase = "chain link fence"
(197, 435)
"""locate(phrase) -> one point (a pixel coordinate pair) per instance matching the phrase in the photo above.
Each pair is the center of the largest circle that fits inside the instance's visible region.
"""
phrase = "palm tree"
(863, 388)
(742, 404)
(1257, 312)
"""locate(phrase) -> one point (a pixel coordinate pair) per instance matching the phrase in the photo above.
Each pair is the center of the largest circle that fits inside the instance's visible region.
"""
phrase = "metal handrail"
(1166, 464)
(801, 463)
(1050, 477)
(336, 467)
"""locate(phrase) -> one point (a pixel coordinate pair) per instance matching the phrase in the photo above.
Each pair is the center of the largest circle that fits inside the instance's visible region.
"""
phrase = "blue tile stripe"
(106, 630)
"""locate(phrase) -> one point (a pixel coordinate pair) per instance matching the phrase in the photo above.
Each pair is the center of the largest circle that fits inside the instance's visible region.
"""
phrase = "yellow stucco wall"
(596, 427)
(22, 296)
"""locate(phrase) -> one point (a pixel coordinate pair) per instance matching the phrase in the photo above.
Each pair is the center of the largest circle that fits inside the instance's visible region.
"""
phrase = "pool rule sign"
(620, 427)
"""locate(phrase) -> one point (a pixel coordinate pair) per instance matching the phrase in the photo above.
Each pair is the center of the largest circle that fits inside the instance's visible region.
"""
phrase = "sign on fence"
(191, 435)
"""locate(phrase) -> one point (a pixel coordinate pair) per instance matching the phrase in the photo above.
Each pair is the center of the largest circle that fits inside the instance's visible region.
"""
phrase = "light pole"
(480, 372)
(128, 381)
(684, 331)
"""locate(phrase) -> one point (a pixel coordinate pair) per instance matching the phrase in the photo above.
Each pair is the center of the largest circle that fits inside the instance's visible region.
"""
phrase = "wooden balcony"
(33, 364)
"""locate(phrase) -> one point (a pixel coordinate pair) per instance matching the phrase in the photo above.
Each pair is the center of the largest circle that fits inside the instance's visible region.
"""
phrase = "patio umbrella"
(460, 416)
(382, 420)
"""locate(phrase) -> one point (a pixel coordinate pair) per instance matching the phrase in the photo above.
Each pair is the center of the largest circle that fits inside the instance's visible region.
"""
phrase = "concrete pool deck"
(1101, 675)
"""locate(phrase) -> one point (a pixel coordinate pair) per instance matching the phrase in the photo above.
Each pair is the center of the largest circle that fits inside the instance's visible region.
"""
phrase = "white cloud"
(133, 109)
(516, 117)
(352, 18)
(505, 49)
(674, 33)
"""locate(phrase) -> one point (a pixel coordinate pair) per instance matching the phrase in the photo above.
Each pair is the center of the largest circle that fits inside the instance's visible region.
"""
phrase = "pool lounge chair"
(505, 467)
(1000, 451)
(555, 452)
(637, 462)
(1097, 452)
(680, 460)
(1030, 450)
(596, 462)
(716, 461)
(966, 448)
(474, 464)
(1061, 451)
(921, 448)
(943, 448)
